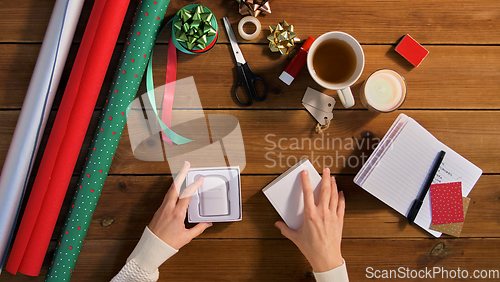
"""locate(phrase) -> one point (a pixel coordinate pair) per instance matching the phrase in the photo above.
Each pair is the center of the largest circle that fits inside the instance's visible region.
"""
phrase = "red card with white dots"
(453, 229)
(446, 203)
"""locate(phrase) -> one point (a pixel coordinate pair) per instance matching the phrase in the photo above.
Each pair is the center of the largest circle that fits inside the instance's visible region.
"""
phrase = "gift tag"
(319, 105)
(446, 203)
(453, 229)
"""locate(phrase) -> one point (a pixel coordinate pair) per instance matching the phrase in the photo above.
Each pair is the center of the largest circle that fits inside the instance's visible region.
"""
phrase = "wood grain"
(446, 22)
(131, 202)
(451, 77)
(280, 260)
(472, 134)
(453, 94)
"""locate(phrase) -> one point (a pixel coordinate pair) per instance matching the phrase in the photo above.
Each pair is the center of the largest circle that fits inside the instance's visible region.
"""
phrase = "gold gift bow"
(282, 38)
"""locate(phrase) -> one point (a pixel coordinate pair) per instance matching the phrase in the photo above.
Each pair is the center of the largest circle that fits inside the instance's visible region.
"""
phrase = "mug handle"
(346, 97)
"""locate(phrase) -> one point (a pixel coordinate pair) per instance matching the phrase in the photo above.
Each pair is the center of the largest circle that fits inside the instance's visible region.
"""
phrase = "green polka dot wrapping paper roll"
(127, 78)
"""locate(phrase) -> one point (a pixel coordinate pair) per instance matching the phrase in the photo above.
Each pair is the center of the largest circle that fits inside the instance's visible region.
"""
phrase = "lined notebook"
(396, 170)
(286, 196)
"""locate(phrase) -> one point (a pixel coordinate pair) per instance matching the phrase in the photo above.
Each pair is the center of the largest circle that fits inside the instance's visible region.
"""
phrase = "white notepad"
(396, 170)
(285, 193)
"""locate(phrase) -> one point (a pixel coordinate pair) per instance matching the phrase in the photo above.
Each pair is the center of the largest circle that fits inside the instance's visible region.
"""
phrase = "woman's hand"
(319, 238)
(168, 221)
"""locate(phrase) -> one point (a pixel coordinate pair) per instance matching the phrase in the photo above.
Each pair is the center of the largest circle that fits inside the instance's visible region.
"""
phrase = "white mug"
(343, 88)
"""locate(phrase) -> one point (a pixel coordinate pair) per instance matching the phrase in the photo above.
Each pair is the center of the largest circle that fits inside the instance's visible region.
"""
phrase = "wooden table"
(454, 94)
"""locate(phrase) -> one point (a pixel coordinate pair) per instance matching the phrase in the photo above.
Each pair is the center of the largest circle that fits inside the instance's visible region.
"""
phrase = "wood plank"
(473, 134)
(368, 21)
(131, 202)
(280, 260)
(443, 81)
(451, 77)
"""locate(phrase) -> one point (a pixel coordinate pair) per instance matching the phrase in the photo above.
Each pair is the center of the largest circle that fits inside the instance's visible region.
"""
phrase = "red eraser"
(411, 50)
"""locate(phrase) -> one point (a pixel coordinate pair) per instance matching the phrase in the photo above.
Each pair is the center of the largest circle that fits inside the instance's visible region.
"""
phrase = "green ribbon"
(194, 29)
(176, 138)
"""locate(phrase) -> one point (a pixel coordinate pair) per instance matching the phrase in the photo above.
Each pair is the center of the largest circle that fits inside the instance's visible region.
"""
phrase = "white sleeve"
(142, 264)
(338, 274)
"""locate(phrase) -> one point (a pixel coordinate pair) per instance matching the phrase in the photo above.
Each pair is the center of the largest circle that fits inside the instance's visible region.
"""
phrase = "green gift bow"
(194, 27)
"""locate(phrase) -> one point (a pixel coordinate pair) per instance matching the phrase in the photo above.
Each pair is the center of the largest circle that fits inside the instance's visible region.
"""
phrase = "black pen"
(415, 207)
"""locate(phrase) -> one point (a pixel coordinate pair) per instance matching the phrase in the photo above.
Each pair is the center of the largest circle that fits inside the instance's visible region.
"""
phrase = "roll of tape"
(245, 35)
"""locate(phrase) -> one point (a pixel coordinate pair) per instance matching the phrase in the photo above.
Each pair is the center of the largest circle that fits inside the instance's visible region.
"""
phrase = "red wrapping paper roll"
(66, 138)
(49, 158)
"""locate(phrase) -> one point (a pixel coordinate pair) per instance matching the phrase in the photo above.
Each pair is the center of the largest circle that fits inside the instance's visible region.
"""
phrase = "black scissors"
(245, 75)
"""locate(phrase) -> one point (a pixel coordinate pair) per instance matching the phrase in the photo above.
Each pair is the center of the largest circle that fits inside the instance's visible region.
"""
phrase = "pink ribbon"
(168, 95)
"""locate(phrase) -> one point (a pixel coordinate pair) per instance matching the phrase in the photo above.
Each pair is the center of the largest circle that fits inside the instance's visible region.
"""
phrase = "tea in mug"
(334, 61)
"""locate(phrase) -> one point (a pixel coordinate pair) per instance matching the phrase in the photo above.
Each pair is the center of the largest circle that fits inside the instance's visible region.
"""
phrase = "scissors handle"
(247, 78)
(242, 80)
(252, 85)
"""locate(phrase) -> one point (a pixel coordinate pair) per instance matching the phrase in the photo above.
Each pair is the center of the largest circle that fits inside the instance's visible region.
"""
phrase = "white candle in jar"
(383, 91)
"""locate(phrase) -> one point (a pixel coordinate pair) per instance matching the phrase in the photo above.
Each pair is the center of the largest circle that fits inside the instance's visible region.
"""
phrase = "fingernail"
(305, 172)
(341, 192)
(333, 178)
(210, 224)
(186, 163)
(327, 170)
